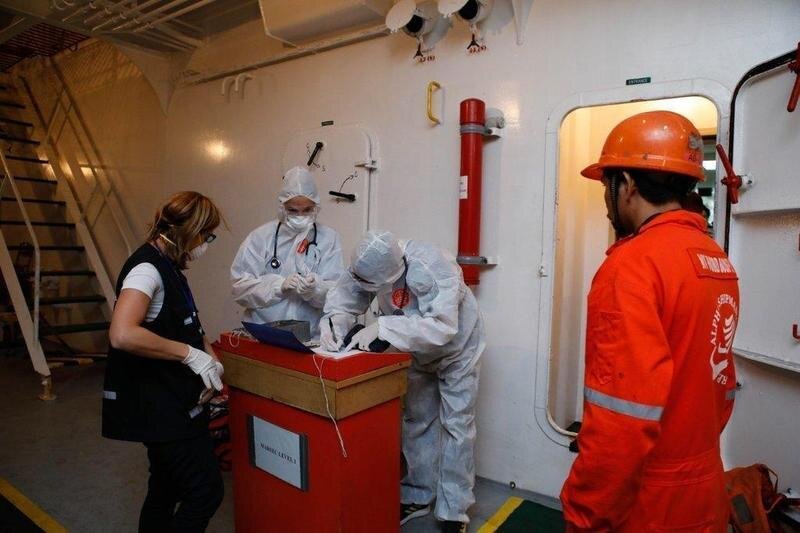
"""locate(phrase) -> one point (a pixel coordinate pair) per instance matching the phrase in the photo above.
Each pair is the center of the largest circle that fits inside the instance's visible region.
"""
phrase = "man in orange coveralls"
(663, 310)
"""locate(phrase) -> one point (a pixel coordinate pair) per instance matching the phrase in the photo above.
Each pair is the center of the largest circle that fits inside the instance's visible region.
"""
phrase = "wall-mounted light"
(217, 150)
(423, 22)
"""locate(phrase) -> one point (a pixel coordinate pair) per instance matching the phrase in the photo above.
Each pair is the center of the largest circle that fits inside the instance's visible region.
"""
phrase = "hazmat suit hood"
(298, 181)
(377, 259)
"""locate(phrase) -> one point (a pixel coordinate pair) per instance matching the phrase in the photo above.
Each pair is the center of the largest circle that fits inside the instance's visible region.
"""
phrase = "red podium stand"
(280, 426)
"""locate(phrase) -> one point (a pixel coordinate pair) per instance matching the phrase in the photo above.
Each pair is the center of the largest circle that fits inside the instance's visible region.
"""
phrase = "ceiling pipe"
(80, 11)
(171, 33)
(117, 18)
(123, 15)
(62, 5)
(173, 15)
(107, 10)
(143, 19)
(296, 53)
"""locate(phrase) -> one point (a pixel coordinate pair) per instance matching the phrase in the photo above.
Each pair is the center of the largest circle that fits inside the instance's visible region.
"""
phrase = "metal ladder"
(30, 160)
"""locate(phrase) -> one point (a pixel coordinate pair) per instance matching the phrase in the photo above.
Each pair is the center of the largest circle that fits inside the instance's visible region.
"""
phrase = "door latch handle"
(732, 181)
(794, 66)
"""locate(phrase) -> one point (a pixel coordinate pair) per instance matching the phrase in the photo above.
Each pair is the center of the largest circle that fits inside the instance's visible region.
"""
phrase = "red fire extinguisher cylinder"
(473, 126)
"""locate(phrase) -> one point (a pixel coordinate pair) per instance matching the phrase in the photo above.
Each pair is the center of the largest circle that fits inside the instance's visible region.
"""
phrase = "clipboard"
(276, 337)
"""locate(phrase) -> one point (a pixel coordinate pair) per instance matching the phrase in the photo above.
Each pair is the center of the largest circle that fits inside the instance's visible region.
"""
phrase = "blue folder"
(276, 337)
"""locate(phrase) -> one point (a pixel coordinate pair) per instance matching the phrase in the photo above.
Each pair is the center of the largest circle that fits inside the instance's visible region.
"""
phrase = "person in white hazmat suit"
(284, 269)
(427, 310)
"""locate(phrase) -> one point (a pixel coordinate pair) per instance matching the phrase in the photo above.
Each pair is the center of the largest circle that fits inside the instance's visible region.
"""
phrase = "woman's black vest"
(155, 400)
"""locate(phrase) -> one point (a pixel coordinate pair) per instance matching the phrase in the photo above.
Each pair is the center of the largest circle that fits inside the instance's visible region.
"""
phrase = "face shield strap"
(614, 191)
(401, 279)
(372, 287)
(613, 186)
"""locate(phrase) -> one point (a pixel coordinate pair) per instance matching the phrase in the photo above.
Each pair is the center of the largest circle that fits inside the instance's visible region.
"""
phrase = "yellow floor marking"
(30, 509)
(501, 515)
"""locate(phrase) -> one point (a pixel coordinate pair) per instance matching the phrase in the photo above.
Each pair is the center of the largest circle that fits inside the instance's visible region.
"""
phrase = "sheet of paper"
(336, 355)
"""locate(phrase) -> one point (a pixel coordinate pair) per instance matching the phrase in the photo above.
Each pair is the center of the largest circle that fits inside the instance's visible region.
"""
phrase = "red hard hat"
(654, 140)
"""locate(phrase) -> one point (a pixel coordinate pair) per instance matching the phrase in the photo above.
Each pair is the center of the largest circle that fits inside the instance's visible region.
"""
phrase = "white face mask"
(198, 251)
(299, 223)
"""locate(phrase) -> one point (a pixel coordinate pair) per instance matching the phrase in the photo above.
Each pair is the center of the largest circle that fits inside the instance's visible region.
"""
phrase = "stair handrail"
(65, 102)
(35, 241)
(123, 225)
(75, 210)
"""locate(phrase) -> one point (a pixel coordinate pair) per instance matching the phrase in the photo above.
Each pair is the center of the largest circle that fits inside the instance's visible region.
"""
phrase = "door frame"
(714, 91)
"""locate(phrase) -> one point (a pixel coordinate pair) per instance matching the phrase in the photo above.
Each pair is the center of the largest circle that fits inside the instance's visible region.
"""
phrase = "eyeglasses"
(211, 237)
(359, 278)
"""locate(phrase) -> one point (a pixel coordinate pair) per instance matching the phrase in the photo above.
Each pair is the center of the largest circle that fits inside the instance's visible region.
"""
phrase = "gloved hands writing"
(328, 340)
(364, 338)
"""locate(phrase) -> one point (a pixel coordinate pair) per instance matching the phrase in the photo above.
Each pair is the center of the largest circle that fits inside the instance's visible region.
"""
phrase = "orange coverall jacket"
(659, 384)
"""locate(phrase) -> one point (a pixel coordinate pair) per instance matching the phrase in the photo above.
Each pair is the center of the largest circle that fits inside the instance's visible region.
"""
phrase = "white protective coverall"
(425, 309)
(257, 286)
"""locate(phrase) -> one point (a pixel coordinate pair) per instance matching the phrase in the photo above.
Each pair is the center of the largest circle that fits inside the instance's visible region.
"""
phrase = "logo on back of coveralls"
(723, 329)
(400, 298)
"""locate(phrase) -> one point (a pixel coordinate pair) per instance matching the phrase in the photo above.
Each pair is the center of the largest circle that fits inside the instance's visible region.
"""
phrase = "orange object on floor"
(356, 493)
(754, 498)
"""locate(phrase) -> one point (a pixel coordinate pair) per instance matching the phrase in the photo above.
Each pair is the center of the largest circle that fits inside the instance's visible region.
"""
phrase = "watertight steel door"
(342, 165)
(764, 227)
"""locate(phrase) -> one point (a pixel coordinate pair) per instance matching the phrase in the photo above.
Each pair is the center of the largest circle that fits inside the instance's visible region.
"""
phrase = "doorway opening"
(583, 233)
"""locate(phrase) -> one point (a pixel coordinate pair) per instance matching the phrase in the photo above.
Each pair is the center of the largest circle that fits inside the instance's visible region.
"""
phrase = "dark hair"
(694, 202)
(659, 188)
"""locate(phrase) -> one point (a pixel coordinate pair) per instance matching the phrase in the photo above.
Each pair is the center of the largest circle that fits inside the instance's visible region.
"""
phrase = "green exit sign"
(637, 81)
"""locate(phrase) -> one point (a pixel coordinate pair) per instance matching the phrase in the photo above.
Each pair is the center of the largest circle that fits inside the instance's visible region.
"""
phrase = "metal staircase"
(66, 291)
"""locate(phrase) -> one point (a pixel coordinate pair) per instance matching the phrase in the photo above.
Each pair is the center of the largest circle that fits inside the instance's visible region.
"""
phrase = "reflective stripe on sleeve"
(109, 395)
(624, 407)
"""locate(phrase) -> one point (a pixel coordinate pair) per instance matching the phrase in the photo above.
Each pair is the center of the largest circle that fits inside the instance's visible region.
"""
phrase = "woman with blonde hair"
(162, 370)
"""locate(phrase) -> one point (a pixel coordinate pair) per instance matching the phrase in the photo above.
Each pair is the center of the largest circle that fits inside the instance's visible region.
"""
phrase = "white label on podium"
(279, 452)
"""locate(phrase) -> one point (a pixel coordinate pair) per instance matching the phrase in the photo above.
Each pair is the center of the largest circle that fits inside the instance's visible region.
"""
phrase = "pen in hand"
(333, 333)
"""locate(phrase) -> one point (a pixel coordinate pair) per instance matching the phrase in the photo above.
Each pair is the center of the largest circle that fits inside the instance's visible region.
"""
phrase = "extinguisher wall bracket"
(495, 122)
(493, 133)
(477, 260)
(748, 181)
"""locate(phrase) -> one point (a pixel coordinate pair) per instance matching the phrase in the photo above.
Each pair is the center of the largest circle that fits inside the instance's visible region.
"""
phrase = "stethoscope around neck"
(275, 263)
